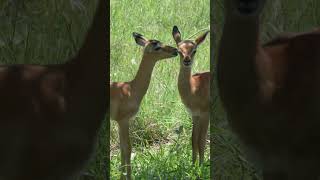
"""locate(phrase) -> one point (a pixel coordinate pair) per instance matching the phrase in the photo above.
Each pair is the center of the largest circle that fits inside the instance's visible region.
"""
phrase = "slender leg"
(195, 138)
(204, 124)
(125, 147)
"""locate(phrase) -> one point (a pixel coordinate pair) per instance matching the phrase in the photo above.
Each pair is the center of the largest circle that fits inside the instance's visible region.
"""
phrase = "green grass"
(161, 131)
(228, 155)
(42, 32)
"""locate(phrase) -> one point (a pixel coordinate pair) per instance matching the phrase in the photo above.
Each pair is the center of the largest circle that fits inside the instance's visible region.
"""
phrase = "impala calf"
(194, 91)
(271, 92)
(125, 97)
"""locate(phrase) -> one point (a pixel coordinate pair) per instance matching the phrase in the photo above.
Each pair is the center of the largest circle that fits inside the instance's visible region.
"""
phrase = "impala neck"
(237, 74)
(184, 79)
(142, 79)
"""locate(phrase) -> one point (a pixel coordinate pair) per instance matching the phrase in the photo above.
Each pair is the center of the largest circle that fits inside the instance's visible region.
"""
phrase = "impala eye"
(194, 52)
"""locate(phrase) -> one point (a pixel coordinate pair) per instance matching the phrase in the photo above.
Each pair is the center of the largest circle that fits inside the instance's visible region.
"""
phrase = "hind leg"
(125, 147)
(195, 137)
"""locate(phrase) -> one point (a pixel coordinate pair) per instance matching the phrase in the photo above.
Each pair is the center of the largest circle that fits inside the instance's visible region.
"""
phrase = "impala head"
(245, 7)
(155, 48)
(187, 48)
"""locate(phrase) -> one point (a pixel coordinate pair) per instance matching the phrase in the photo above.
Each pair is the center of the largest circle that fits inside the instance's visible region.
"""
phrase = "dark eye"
(157, 48)
(194, 52)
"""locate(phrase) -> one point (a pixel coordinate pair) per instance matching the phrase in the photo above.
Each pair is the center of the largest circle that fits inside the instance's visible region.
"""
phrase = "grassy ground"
(161, 132)
(48, 32)
(228, 156)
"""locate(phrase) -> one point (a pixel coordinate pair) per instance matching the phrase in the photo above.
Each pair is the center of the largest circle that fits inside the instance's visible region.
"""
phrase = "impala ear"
(176, 34)
(202, 37)
(140, 40)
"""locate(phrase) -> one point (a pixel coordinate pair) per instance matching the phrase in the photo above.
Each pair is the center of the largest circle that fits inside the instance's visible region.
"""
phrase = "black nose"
(187, 63)
(187, 59)
(175, 52)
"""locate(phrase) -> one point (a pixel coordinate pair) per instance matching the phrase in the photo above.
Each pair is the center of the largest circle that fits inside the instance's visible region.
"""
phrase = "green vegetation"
(161, 131)
(228, 156)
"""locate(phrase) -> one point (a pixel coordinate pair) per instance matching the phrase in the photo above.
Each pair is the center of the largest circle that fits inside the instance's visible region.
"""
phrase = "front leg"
(125, 147)
(195, 138)
(203, 129)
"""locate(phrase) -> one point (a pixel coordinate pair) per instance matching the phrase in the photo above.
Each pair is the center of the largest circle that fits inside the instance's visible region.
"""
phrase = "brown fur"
(194, 91)
(196, 97)
(125, 97)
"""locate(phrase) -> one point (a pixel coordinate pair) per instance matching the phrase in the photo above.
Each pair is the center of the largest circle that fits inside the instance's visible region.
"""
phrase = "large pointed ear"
(140, 40)
(201, 38)
(176, 34)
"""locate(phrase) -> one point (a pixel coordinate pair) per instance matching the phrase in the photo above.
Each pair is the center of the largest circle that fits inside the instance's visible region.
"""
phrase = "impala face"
(187, 48)
(245, 7)
(155, 48)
